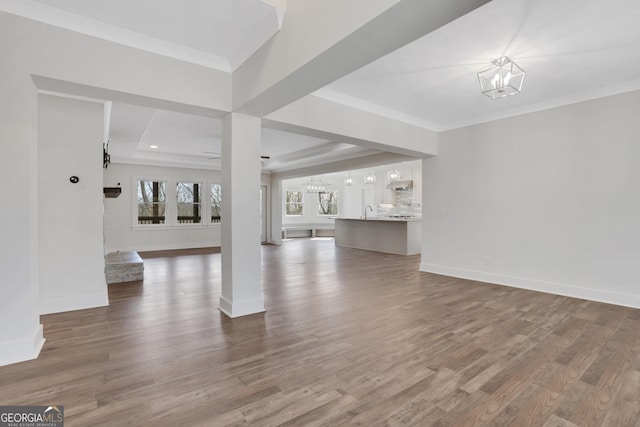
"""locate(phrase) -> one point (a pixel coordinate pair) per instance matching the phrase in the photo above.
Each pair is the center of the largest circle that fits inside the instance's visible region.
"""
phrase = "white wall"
(33, 48)
(548, 201)
(71, 266)
(121, 230)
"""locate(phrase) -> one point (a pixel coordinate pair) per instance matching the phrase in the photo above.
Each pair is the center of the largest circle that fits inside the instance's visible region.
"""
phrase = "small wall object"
(74, 179)
(111, 192)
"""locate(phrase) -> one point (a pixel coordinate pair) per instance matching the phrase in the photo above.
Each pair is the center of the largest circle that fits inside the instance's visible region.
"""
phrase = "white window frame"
(171, 203)
(174, 219)
(303, 202)
(210, 205)
(337, 203)
(167, 203)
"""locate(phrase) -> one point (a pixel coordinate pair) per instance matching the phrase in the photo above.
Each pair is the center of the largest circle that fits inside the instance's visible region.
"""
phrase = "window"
(182, 202)
(151, 202)
(188, 202)
(328, 203)
(216, 200)
(293, 202)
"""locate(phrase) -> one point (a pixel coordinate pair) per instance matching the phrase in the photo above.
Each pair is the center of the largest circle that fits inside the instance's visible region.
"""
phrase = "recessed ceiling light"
(153, 146)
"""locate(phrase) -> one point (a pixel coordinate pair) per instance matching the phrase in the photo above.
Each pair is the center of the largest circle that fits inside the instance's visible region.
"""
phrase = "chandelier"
(316, 186)
(393, 175)
(503, 79)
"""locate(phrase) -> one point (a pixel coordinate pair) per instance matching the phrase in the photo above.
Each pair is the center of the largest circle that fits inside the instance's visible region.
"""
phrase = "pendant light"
(370, 178)
(348, 181)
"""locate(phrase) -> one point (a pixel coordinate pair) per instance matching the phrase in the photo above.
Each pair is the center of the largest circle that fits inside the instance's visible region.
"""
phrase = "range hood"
(400, 185)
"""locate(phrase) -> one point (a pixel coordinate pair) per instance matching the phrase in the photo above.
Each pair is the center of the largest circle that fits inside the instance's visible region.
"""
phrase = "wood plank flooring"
(349, 338)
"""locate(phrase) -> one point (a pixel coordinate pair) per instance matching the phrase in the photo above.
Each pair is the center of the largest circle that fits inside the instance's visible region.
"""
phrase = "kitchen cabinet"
(402, 236)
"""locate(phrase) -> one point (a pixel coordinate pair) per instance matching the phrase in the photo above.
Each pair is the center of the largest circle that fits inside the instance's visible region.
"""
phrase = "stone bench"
(123, 267)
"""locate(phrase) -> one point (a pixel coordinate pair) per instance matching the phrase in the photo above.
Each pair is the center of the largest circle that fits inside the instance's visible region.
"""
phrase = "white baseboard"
(241, 308)
(599, 295)
(23, 349)
(79, 302)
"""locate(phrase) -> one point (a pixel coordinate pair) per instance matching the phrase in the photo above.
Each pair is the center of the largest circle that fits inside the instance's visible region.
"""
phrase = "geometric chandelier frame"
(503, 79)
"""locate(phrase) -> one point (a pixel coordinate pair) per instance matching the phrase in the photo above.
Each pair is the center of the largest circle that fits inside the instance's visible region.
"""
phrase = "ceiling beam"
(323, 40)
(280, 6)
(322, 118)
(345, 152)
(63, 88)
(329, 148)
(372, 160)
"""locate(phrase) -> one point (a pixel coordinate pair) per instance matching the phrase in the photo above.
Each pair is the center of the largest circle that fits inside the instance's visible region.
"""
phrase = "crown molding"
(91, 27)
(602, 92)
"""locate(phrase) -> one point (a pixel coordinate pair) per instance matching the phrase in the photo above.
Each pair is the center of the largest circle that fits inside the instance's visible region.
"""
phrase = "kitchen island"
(402, 236)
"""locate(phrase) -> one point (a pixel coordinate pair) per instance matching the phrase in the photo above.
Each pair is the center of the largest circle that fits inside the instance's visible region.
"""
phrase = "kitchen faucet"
(365, 210)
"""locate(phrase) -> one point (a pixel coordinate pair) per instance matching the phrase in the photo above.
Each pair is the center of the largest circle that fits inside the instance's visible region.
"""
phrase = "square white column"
(240, 231)
(20, 328)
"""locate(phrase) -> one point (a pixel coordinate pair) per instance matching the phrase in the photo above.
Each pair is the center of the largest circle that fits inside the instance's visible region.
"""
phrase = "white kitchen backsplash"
(403, 206)
(404, 197)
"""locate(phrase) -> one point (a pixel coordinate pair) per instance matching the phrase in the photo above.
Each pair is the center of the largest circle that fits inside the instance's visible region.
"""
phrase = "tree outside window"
(293, 202)
(189, 202)
(216, 202)
(328, 203)
(151, 202)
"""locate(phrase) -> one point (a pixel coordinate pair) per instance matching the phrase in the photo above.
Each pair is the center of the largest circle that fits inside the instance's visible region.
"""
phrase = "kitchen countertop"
(384, 218)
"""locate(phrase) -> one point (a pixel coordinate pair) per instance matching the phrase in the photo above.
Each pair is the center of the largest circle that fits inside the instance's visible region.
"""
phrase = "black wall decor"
(106, 157)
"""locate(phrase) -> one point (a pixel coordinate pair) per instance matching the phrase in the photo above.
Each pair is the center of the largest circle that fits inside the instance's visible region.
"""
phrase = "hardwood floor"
(349, 338)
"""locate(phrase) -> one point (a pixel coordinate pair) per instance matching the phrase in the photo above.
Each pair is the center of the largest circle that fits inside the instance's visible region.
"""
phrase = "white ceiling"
(216, 33)
(189, 140)
(572, 50)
